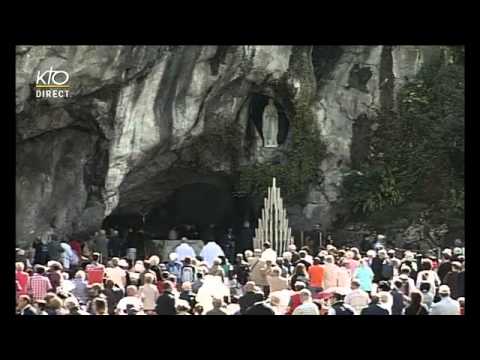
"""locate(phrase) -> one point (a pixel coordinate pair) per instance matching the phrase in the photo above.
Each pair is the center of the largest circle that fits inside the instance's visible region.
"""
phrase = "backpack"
(174, 268)
(340, 309)
(387, 270)
(188, 274)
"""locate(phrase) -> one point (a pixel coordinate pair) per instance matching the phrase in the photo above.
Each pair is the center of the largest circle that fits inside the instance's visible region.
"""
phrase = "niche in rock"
(257, 105)
(359, 77)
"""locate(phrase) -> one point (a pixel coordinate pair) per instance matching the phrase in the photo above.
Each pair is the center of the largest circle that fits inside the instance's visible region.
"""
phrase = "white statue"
(270, 125)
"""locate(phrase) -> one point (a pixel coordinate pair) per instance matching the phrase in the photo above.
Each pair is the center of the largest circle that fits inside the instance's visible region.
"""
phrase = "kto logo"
(52, 84)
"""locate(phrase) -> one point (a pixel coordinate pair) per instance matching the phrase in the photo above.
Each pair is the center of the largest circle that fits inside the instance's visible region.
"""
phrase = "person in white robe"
(184, 250)
(210, 252)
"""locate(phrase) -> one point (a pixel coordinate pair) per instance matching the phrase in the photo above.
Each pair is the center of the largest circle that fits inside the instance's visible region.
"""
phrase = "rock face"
(129, 134)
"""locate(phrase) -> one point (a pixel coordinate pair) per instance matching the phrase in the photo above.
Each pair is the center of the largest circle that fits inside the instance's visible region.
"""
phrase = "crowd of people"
(97, 278)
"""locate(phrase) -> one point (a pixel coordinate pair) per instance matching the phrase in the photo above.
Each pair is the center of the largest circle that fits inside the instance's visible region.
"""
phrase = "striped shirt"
(39, 286)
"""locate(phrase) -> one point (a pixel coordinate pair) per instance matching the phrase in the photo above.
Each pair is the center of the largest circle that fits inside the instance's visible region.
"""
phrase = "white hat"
(457, 251)
(123, 263)
(444, 289)
(447, 251)
(173, 256)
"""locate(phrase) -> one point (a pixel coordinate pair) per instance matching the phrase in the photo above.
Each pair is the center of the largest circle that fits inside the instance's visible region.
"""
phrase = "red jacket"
(295, 301)
(77, 247)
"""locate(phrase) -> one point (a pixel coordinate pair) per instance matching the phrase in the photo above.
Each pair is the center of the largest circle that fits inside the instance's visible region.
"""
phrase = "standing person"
(229, 244)
(132, 244)
(22, 277)
(281, 265)
(114, 244)
(101, 306)
(198, 282)
(351, 261)
(76, 247)
(218, 307)
(427, 296)
(184, 250)
(261, 308)
(166, 301)
(217, 269)
(95, 271)
(365, 244)
(364, 275)
(357, 298)
(41, 251)
(374, 308)
(116, 273)
(276, 282)
(316, 273)
(394, 261)
(68, 257)
(257, 269)
(174, 267)
(307, 307)
(147, 270)
(338, 306)
(25, 306)
(295, 299)
(428, 275)
(446, 305)
(409, 261)
(80, 287)
(39, 284)
(300, 274)
(445, 265)
(241, 270)
(188, 271)
(268, 253)
(54, 274)
(303, 259)
(249, 298)
(452, 279)
(149, 294)
(113, 294)
(377, 265)
(415, 307)
(54, 249)
(141, 241)
(187, 294)
(101, 246)
(399, 299)
(131, 300)
(344, 275)
(210, 252)
(383, 292)
(331, 272)
(245, 241)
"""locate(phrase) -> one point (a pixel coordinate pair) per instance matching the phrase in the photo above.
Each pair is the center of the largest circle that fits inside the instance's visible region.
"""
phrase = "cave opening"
(257, 105)
(196, 203)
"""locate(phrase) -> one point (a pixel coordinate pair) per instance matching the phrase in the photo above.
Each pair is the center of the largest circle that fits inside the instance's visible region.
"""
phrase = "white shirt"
(117, 275)
(307, 308)
(269, 254)
(66, 255)
(210, 252)
(446, 306)
(149, 295)
(134, 300)
(184, 250)
(358, 299)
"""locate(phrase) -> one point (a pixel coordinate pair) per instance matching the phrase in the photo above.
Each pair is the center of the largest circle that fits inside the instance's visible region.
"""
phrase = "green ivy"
(303, 155)
(418, 151)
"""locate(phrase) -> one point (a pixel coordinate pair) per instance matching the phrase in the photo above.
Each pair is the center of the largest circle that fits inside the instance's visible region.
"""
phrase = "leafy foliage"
(418, 151)
(301, 169)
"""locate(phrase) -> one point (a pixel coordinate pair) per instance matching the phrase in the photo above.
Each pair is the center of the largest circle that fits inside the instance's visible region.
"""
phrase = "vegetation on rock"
(417, 152)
